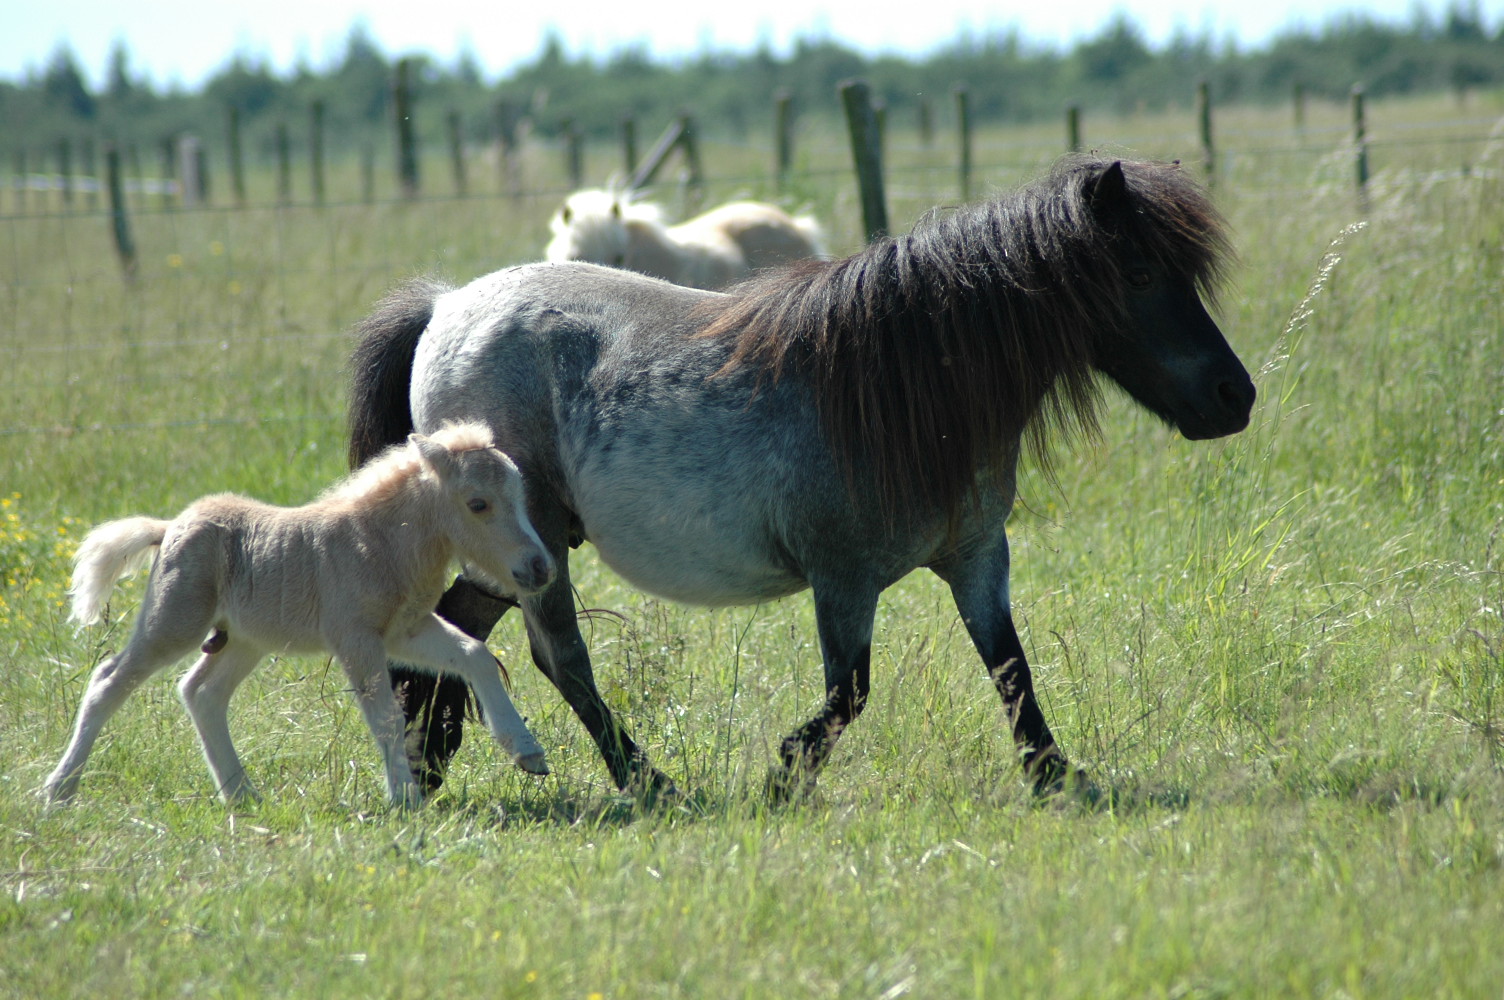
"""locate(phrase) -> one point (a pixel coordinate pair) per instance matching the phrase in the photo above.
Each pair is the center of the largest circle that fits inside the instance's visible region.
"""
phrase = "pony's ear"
(434, 456)
(1109, 189)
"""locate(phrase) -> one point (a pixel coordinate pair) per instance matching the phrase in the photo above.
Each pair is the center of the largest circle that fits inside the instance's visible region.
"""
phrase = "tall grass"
(1284, 651)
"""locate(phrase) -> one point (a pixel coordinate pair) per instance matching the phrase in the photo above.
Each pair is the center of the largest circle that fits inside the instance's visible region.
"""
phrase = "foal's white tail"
(109, 552)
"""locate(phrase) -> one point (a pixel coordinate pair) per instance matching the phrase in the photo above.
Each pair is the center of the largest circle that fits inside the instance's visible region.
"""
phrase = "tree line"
(731, 93)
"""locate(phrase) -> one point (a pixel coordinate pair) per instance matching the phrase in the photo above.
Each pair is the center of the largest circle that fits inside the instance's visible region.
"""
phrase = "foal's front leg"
(442, 647)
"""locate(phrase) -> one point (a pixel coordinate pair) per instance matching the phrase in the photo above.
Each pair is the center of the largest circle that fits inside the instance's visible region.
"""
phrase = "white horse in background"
(357, 572)
(714, 250)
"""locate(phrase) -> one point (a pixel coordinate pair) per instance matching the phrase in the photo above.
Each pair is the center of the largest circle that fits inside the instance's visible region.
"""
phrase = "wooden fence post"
(1204, 116)
(65, 171)
(457, 153)
(190, 189)
(629, 144)
(168, 149)
(926, 121)
(237, 154)
(689, 146)
(316, 149)
(21, 181)
(783, 137)
(1360, 141)
(91, 171)
(120, 223)
(574, 153)
(407, 143)
(866, 154)
(507, 117)
(284, 164)
(1299, 97)
(367, 174)
(963, 133)
(1073, 129)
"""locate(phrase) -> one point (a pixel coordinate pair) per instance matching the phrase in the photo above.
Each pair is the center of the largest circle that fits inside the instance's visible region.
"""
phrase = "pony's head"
(486, 508)
(590, 226)
(1152, 246)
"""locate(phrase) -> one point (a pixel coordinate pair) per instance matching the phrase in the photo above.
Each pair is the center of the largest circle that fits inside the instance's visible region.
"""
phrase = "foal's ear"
(1109, 189)
(434, 456)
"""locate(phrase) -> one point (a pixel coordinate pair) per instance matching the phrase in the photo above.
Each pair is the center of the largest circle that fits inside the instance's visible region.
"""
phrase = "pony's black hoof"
(785, 786)
(651, 787)
(1061, 781)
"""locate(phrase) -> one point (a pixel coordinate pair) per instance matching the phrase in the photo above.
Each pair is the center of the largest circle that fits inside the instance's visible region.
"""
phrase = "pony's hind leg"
(440, 646)
(364, 660)
(206, 691)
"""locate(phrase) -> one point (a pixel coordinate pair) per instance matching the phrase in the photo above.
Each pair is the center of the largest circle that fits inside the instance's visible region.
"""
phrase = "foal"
(357, 572)
(713, 250)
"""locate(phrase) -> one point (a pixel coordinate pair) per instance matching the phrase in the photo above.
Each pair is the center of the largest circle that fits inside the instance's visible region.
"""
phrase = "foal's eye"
(478, 505)
(1140, 278)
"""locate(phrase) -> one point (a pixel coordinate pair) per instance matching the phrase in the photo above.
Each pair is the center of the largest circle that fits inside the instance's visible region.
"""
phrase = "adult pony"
(721, 247)
(831, 426)
(357, 572)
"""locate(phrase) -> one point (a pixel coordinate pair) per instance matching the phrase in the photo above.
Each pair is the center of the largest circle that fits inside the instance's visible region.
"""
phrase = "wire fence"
(218, 283)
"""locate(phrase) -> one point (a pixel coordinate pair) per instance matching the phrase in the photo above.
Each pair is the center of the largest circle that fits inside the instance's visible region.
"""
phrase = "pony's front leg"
(364, 661)
(559, 651)
(843, 616)
(442, 647)
(980, 588)
(434, 705)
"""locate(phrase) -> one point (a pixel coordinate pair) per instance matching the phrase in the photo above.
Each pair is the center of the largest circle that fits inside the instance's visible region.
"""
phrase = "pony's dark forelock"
(930, 354)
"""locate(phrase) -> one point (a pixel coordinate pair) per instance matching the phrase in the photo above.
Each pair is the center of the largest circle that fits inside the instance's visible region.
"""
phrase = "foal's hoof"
(533, 763)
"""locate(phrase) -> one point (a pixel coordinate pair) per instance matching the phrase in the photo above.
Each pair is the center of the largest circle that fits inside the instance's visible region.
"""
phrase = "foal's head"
(484, 507)
(591, 226)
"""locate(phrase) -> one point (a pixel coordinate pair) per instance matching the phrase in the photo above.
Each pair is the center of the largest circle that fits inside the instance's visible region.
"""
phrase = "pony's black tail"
(381, 368)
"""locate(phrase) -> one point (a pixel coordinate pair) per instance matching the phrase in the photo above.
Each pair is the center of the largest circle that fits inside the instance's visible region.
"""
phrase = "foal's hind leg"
(206, 691)
(154, 645)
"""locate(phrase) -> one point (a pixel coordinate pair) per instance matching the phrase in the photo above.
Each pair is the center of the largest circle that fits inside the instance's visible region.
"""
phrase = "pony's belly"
(711, 568)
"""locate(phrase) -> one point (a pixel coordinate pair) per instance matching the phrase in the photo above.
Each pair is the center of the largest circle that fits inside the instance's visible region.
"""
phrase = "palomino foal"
(357, 572)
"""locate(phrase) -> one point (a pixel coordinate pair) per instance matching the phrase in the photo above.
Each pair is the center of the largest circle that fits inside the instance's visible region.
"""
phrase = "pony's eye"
(1140, 278)
(478, 505)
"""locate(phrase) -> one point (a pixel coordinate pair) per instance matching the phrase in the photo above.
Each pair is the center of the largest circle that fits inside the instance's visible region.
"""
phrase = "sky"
(183, 42)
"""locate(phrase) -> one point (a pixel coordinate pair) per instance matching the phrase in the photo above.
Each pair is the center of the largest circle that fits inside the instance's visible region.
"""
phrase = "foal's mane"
(931, 354)
(388, 473)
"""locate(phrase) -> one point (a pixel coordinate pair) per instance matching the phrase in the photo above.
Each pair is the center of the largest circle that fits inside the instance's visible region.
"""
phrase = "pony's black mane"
(931, 354)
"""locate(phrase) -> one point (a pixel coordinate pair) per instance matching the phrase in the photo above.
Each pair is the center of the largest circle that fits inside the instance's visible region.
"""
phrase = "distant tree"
(63, 84)
(1116, 53)
(118, 83)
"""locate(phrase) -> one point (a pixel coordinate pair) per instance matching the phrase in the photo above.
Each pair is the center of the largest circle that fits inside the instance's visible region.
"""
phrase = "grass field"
(1283, 651)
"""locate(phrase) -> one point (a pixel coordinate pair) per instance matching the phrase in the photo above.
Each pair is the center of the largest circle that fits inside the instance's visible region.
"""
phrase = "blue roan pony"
(833, 425)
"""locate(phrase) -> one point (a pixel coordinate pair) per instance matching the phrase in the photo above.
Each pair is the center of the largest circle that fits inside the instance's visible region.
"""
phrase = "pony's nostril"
(1236, 397)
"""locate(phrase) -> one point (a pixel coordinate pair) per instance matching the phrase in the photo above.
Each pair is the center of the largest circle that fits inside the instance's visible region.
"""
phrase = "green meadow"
(1282, 652)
